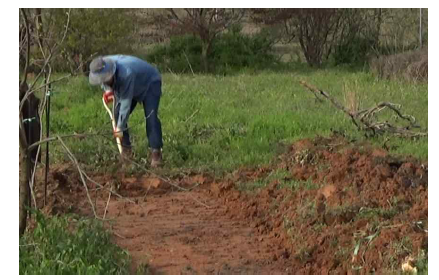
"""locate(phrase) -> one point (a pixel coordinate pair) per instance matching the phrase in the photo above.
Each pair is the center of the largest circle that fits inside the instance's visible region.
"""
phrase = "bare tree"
(280, 17)
(314, 29)
(206, 23)
(47, 47)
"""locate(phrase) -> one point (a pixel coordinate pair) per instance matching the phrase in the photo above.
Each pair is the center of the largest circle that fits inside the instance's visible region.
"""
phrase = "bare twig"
(31, 244)
(111, 191)
(75, 135)
(39, 26)
(26, 66)
(191, 116)
(32, 180)
(190, 66)
(47, 60)
(75, 162)
(118, 235)
(108, 201)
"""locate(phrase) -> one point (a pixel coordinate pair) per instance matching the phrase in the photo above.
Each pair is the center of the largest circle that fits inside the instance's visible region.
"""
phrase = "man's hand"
(117, 133)
(108, 96)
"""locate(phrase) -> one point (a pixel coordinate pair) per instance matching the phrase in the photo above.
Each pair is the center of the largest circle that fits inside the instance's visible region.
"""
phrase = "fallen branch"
(365, 120)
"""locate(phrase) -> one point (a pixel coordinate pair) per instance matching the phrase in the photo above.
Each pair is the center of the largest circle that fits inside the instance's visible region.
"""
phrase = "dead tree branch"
(366, 120)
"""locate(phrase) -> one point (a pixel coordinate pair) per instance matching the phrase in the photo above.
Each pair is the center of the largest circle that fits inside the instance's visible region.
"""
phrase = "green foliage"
(230, 52)
(101, 31)
(176, 55)
(354, 52)
(67, 245)
(234, 51)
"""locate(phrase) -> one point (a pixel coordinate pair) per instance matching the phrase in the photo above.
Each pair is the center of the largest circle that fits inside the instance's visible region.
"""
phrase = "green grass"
(219, 123)
(69, 245)
(370, 213)
(422, 263)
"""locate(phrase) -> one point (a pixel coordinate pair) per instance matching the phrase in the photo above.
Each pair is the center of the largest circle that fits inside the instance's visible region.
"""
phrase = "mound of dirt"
(363, 205)
(325, 206)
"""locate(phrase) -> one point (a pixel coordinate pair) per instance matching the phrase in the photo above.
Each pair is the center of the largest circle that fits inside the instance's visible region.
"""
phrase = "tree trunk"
(204, 58)
(24, 171)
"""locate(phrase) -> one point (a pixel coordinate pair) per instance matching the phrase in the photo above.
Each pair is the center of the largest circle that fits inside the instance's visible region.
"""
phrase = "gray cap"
(101, 70)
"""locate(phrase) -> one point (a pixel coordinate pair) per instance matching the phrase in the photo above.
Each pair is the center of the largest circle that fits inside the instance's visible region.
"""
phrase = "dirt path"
(323, 207)
(175, 234)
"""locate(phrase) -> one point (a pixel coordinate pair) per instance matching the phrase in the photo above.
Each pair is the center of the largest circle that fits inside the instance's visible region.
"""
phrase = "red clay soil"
(336, 208)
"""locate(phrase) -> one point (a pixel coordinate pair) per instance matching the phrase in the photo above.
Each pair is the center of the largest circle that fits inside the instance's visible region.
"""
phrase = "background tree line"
(223, 40)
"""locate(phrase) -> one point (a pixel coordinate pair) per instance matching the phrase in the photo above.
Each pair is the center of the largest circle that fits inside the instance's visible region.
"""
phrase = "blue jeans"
(150, 108)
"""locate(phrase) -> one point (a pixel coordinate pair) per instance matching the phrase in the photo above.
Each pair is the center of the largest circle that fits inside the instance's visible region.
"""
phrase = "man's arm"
(126, 96)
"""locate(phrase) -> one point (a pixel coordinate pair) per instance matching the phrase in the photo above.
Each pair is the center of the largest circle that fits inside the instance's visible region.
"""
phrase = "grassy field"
(210, 123)
(215, 123)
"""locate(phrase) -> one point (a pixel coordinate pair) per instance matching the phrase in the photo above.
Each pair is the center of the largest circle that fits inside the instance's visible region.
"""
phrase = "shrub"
(354, 52)
(234, 51)
(231, 52)
(411, 66)
(176, 55)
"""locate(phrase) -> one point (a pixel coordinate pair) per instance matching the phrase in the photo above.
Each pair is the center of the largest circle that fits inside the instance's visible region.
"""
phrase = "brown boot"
(127, 154)
(156, 158)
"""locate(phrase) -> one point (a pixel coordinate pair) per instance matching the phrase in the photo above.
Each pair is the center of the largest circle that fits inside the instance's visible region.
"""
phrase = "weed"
(307, 210)
(351, 97)
(319, 227)
(403, 247)
(143, 269)
(279, 175)
(334, 242)
(422, 263)
(310, 185)
(342, 254)
(304, 254)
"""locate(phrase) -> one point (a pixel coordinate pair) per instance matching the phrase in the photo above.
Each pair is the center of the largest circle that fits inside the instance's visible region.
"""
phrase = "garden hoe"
(113, 122)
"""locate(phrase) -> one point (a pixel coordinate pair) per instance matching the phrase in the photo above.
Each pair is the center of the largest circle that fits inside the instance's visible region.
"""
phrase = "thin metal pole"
(48, 93)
